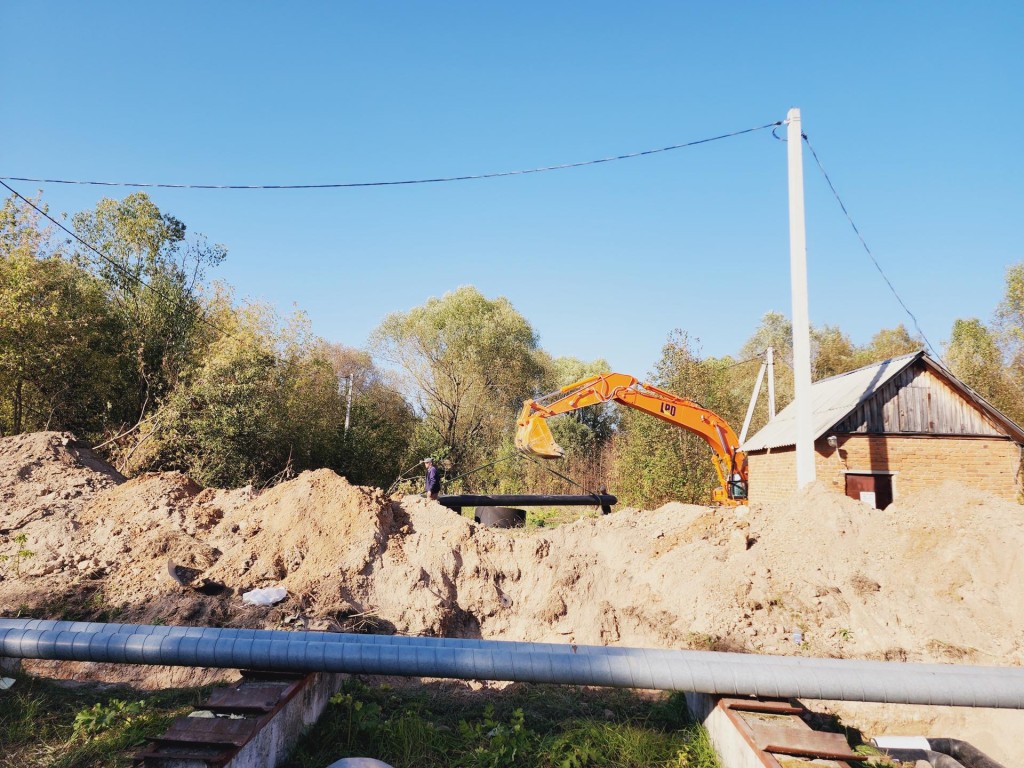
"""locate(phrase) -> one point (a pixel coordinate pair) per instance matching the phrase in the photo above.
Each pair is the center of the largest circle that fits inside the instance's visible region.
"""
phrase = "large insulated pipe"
(889, 682)
(223, 634)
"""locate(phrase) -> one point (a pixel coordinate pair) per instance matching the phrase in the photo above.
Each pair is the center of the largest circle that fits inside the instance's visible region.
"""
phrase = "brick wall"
(919, 462)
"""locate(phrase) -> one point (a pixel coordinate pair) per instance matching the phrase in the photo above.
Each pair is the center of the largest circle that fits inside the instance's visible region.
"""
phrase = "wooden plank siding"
(918, 402)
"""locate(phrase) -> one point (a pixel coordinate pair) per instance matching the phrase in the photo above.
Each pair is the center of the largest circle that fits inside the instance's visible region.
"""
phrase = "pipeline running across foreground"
(512, 646)
(669, 670)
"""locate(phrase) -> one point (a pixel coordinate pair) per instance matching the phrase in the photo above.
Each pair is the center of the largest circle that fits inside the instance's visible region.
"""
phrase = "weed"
(432, 726)
(494, 744)
(359, 717)
(701, 641)
(540, 518)
(699, 752)
(21, 553)
(102, 717)
(411, 739)
(48, 724)
(845, 634)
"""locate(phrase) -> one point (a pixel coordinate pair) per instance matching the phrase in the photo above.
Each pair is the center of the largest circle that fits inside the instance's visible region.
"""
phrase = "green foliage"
(43, 723)
(888, 343)
(381, 421)
(58, 337)
(659, 462)
(253, 404)
(100, 717)
(974, 356)
(551, 726)
(775, 331)
(590, 744)
(1009, 315)
(21, 553)
(832, 353)
(468, 362)
(359, 717)
(494, 743)
(151, 272)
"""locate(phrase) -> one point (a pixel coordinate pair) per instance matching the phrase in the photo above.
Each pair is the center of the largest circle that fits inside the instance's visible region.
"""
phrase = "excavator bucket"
(534, 436)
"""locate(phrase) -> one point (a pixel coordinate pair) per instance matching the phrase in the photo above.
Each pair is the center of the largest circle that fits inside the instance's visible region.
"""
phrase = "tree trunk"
(17, 408)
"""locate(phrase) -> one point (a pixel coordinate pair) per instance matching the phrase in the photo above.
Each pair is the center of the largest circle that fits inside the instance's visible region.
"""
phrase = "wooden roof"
(910, 394)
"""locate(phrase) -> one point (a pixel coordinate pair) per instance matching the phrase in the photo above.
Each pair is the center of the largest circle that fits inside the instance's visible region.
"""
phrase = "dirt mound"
(932, 578)
(47, 473)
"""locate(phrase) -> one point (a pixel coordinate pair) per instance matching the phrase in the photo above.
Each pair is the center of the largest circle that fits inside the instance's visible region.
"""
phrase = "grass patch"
(439, 725)
(56, 725)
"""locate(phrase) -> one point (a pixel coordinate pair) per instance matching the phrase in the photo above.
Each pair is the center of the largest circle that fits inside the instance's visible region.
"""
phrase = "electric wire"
(867, 250)
(197, 314)
(753, 359)
(195, 311)
(401, 182)
(558, 474)
(510, 455)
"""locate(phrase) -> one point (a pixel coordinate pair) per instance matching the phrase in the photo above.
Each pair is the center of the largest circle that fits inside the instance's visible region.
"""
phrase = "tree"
(381, 422)
(257, 401)
(832, 353)
(468, 363)
(774, 331)
(973, 355)
(586, 429)
(151, 271)
(1009, 319)
(658, 462)
(57, 334)
(889, 343)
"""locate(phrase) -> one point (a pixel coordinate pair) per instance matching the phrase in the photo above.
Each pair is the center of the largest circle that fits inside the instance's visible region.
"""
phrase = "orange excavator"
(533, 435)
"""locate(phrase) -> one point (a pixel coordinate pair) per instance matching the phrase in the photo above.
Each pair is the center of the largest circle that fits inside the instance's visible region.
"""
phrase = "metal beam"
(457, 501)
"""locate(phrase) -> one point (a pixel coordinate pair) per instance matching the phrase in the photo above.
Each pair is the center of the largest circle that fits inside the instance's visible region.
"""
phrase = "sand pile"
(931, 578)
(46, 474)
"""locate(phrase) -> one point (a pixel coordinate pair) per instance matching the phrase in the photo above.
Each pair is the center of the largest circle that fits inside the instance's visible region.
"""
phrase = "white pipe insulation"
(163, 630)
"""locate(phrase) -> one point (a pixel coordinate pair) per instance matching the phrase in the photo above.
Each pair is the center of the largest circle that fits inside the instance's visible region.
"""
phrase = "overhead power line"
(396, 183)
(867, 250)
(198, 314)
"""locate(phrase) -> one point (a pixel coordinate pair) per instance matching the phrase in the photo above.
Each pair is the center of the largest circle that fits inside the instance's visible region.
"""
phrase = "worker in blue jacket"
(433, 478)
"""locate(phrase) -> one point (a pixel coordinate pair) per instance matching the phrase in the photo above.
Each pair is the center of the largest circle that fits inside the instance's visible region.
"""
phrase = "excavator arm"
(534, 436)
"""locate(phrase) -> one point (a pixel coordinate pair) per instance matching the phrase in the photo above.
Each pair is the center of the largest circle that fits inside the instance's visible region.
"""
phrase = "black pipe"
(456, 502)
(968, 754)
(935, 759)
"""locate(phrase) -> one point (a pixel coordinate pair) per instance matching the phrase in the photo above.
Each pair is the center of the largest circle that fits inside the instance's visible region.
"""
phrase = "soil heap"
(932, 578)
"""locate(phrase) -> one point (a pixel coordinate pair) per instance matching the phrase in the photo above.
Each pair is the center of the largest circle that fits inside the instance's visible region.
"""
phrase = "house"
(890, 429)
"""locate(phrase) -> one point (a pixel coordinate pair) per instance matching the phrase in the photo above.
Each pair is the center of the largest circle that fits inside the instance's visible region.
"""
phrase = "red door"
(875, 490)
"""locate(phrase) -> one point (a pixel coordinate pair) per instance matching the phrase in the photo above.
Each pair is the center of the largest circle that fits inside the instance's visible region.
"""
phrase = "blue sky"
(914, 108)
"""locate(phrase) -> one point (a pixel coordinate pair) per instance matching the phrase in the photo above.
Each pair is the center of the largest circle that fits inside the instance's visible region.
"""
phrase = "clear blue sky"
(916, 110)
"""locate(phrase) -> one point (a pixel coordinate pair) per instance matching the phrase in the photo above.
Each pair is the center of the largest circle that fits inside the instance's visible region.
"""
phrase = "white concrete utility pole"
(805, 473)
(348, 403)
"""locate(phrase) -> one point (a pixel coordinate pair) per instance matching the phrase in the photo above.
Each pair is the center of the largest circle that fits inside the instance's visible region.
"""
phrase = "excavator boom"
(534, 436)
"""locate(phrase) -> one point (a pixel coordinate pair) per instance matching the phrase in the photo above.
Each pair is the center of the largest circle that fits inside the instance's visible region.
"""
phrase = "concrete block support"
(732, 747)
(275, 740)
